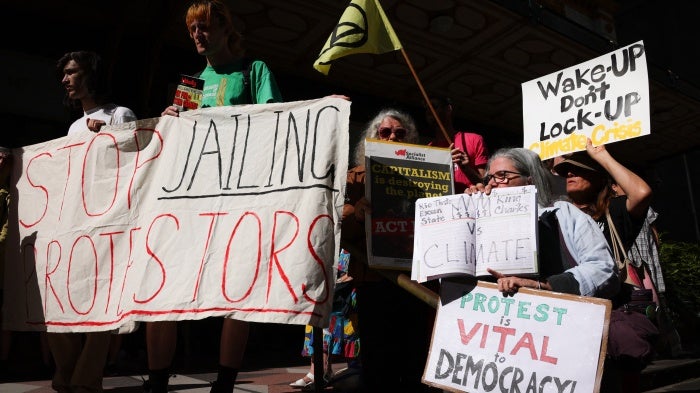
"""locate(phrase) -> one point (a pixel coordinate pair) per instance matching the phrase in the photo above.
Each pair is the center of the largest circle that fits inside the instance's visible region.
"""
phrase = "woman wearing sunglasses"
(394, 326)
(589, 178)
(579, 262)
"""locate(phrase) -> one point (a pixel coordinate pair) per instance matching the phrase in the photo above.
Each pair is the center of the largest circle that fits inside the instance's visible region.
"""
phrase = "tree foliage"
(680, 263)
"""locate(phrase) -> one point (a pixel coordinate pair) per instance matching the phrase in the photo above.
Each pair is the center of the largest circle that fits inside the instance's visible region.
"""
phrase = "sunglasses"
(385, 132)
(563, 170)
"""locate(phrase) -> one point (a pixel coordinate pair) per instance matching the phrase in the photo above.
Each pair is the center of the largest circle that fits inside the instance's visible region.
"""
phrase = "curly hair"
(372, 130)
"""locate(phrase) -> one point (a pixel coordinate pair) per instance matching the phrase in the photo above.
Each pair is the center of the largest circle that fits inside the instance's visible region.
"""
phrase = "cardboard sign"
(534, 341)
(605, 99)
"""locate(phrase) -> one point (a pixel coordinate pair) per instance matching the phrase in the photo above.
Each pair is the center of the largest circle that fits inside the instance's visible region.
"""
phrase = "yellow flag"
(363, 28)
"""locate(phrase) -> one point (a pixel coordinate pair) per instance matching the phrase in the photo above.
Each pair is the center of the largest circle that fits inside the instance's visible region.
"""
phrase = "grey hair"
(528, 163)
(372, 130)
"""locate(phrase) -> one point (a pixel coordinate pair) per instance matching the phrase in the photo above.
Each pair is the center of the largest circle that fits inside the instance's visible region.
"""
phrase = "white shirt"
(109, 113)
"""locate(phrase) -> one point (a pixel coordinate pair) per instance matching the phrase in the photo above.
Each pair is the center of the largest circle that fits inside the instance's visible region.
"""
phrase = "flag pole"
(425, 96)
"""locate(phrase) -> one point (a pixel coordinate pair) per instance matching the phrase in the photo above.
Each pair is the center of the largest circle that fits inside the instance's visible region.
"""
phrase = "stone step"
(671, 375)
(689, 385)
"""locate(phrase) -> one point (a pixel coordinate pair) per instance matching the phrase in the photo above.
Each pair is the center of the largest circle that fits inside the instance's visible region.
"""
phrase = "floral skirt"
(341, 338)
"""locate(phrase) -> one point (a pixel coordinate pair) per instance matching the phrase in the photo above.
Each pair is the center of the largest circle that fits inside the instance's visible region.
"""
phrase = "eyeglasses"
(501, 177)
(385, 132)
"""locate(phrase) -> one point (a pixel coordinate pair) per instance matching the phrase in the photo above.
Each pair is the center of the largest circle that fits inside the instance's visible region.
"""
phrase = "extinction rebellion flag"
(363, 28)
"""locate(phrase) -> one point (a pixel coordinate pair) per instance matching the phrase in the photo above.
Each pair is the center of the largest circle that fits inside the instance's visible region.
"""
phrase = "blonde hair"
(208, 9)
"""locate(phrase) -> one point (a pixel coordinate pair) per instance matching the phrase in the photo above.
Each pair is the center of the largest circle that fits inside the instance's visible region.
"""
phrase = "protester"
(580, 265)
(394, 325)
(341, 338)
(81, 357)
(589, 176)
(645, 251)
(229, 79)
(644, 254)
(469, 152)
(210, 26)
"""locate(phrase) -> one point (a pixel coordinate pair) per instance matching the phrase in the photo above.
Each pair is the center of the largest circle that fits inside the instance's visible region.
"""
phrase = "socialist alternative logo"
(349, 34)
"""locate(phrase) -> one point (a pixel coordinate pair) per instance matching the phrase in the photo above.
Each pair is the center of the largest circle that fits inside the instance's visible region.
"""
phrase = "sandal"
(311, 387)
(303, 382)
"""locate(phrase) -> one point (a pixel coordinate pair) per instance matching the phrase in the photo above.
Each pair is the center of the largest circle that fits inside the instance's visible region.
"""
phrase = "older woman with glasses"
(579, 262)
(341, 339)
(394, 326)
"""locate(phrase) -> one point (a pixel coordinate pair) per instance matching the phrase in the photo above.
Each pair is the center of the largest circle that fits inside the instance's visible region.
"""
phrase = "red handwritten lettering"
(543, 353)
(525, 342)
(128, 267)
(50, 272)
(68, 174)
(153, 255)
(41, 187)
(319, 261)
(467, 337)
(111, 265)
(505, 332)
(206, 250)
(82, 277)
(228, 256)
(274, 260)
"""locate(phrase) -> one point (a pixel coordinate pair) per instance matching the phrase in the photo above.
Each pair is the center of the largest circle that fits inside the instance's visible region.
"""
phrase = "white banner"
(605, 99)
(228, 211)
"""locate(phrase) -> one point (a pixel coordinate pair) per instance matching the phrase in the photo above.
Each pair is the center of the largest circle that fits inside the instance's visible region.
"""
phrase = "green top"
(223, 85)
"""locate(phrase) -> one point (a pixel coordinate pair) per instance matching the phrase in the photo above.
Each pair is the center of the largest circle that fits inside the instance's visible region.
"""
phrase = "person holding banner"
(388, 125)
(469, 151)
(589, 177)
(229, 79)
(87, 87)
(394, 326)
(579, 262)
(80, 358)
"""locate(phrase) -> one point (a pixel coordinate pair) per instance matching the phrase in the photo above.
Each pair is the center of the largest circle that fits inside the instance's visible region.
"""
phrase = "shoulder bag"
(644, 292)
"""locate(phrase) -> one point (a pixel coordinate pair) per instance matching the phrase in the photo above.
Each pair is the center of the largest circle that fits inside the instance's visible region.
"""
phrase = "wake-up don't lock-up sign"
(534, 341)
(227, 211)
(605, 99)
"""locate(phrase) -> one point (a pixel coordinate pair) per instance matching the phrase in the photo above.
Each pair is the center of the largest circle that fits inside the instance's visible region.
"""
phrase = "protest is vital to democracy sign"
(227, 211)
(533, 341)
